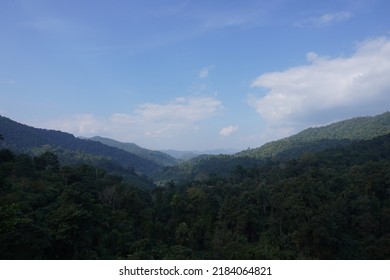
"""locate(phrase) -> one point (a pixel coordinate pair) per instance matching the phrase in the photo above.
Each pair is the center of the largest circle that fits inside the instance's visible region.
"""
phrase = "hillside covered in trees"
(320, 138)
(157, 156)
(72, 150)
(311, 140)
(333, 204)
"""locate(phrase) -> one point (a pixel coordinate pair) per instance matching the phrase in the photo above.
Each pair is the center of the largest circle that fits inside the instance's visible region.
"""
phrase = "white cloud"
(181, 110)
(327, 89)
(227, 131)
(325, 19)
(80, 124)
(148, 120)
(333, 17)
(158, 119)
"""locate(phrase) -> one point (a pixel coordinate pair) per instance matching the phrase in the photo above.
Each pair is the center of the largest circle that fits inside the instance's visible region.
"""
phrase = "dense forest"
(333, 204)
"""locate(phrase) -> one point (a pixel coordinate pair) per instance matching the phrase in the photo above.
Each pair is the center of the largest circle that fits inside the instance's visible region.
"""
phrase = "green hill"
(204, 167)
(319, 138)
(157, 156)
(311, 140)
(22, 138)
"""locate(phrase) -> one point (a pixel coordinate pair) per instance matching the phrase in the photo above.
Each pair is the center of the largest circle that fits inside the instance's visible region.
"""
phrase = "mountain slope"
(181, 155)
(23, 138)
(204, 167)
(319, 138)
(188, 155)
(157, 156)
(311, 140)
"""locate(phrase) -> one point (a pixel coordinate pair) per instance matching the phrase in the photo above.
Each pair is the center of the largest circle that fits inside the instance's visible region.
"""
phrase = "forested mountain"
(157, 156)
(181, 155)
(301, 204)
(114, 156)
(204, 167)
(319, 138)
(311, 140)
(23, 138)
(329, 205)
(187, 155)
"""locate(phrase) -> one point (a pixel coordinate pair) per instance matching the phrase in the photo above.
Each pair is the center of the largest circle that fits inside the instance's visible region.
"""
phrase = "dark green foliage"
(205, 167)
(329, 205)
(48, 211)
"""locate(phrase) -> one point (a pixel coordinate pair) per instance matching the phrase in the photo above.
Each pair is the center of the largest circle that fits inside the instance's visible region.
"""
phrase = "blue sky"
(186, 74)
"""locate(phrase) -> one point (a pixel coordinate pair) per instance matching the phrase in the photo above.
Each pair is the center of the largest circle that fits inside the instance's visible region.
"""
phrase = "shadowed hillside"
(23, 138)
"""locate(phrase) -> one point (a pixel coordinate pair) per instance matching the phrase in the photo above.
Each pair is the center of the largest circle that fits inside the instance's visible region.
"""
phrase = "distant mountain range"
(169, 164)
(161, 158)
(164, 157)
(22, 138)
(187, 155)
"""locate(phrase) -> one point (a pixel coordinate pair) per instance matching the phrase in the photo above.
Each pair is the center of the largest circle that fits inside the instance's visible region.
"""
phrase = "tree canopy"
(326, 205)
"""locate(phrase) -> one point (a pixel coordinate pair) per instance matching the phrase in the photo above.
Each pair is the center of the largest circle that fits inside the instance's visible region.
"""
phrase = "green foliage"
(204, 167)
(333, 204)
(48, 211)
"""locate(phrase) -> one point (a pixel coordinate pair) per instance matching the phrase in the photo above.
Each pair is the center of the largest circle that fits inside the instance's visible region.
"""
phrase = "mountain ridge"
(151, 163)
(357, 128)
(23, 138)
(157, 156)
(311, 140)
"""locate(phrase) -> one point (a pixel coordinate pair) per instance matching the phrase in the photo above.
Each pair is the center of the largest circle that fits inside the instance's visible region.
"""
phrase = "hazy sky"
(193, 74)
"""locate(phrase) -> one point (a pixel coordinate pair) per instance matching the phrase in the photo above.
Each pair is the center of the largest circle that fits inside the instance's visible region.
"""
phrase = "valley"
(323, 193)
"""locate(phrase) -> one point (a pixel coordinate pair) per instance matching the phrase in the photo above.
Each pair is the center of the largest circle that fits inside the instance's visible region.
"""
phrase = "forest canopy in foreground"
(328, 205)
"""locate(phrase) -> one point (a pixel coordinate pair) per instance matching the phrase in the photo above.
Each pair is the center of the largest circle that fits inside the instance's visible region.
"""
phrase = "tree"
(6, 155)
(20, 238)
(47, 161)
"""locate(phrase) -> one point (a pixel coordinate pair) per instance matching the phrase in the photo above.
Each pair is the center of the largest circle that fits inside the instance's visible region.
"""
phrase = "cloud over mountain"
(149, 119)
(326, 89)
(229, 130)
